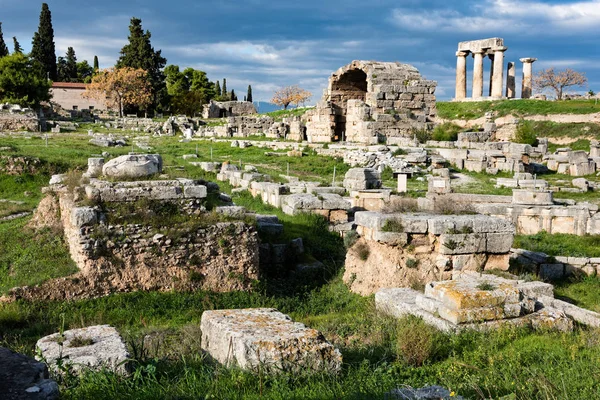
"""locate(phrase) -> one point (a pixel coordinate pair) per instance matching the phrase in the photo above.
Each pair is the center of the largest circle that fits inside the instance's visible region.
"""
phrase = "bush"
(350, 239)
(446, 206)
(362, 251)
(417, 342)
(393, 225)
(446, 132)
(526, 134)
(422, 135)
(400, 204)
(412, 263)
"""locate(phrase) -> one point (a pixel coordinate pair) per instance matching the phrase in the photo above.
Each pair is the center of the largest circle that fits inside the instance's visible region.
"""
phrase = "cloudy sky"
(270, 44)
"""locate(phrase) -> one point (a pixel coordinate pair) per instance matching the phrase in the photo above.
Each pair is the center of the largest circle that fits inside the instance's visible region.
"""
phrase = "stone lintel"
(528, 60)
(483, 44)
(462, 53)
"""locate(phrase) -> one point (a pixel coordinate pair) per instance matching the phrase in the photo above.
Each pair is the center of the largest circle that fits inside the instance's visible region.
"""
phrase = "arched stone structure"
(369, 100)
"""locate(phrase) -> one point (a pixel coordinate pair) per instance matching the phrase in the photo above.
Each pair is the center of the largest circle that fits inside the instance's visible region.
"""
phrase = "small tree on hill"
(558, 80)
(121, 87)
(217, 89)
(290, 95)
(3, 48)
(96, 64)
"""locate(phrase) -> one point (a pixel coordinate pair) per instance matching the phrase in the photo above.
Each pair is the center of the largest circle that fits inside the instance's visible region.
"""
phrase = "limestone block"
(133, 166)
(194, 192)
(468, 294)
(266, 339)
(462, 243)
(94, 347)
(499, 242)
(391, 238)
(57, 179)
(23, 378)
(578, 314)
(333, 201)
(497, 262)
(338, 216)
(83, 216)
(301, 202)
(95, 166)
(362, 178)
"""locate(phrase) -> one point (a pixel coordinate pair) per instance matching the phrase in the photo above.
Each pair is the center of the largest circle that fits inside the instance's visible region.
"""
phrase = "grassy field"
(560, 244)
(379, 353)
(518, 108)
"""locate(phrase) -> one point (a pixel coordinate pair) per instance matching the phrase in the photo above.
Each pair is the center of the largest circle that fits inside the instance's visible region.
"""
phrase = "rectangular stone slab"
(265, 339)
(467, 294)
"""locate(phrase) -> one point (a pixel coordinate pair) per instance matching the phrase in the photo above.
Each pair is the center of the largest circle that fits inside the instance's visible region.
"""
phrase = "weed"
(451, 244)
(412, 263)
(393, 225)
(361, 249)
(417, 342)
(79, 341)
(486, 286)
(350, 238)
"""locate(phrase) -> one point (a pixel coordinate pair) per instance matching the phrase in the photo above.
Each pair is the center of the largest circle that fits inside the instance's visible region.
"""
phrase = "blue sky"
(270, 44)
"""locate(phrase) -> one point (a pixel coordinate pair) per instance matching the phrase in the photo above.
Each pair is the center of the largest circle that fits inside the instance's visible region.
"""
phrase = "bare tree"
(290, 95)
(558, 80)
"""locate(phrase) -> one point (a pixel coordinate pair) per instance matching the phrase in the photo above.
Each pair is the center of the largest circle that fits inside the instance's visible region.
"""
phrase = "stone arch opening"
(351, 85)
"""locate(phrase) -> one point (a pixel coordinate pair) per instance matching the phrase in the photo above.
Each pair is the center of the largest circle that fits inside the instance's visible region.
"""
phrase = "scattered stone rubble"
(265, 340)
(556, 268)
(480, 301)
(95, 347)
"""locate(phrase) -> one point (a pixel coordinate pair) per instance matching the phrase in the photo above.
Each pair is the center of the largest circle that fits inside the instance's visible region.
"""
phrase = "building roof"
(69, 85)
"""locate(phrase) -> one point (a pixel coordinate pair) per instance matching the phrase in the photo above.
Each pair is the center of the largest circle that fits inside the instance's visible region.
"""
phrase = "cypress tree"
(71, 66)
(224, 88)
(139, 53)
(17, 46)
(217, 89)
(96, 64)
(232, 96)
(249, 95)
(43, 50)
(3, 48)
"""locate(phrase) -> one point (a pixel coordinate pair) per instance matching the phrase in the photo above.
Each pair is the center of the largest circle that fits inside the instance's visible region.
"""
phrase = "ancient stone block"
(23, 378)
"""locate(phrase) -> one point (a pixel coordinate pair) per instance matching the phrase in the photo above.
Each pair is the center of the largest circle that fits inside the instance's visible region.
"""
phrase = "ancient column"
(491, 57)
(478, 74)
(461, 75)
(498, 75)
(527, 68)
(510, 81)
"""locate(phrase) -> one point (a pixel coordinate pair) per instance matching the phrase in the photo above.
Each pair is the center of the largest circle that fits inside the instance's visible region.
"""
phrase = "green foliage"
(422, 135)
(446, 132)
(139, 53)
(79, 341)
(412, 263)
(43, 50)
(583, 292)
(362, 251)
(486, 286)
(393, 225)
(3, 48)
(17, 49)
(560, 244)
(350, 238)
(96, 64)
(67, 67)
(188, 90)
(249, 94)
(21, 82)
(84, 72)
(417, 342)
(291, 112)
(526, 133)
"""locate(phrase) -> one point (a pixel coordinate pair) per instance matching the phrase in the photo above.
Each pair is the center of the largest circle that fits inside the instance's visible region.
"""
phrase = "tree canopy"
(290, 95)
(139, 54)
(557, 81)
(3, 48)
(17, 46)
(21, 81)
(249, 94)
(121, 87)
(188, 90)
(43, 50)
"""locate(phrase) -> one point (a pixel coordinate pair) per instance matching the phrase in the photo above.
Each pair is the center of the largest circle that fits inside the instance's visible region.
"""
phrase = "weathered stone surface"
(425, 393)
(23, 378)
(133, 166)
(94, 347)
(266, 339)
(84, 216)
(578, 314)
(362, 179)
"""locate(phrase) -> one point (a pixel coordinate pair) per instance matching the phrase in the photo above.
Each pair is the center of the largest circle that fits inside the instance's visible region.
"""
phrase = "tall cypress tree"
(43, 50)
(139, 53)
(71, 66)
(224, 89)
(96, 64)
(17, 46)
(217, 89)
(249, 95)
(3, 48)
(233, 96)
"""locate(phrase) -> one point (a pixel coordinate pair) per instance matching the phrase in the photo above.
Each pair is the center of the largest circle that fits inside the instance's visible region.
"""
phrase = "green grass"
(560, 244)
(30, 257)
(584, 293)
(551, 130)
(518, 108)
(292, 112)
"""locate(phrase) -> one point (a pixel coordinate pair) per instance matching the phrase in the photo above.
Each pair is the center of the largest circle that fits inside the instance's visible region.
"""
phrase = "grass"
(560, 244)
(518, 108)
(583, 292)
(292, 112)
(30, 257)
(551, 130)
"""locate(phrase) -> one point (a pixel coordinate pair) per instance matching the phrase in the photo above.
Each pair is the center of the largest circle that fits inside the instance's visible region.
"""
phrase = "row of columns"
(496, 74)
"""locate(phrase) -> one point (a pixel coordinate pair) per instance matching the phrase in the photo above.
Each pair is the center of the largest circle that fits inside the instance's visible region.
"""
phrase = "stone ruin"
(14, 118)
(217, 109)
(494, 49)
(369, 101)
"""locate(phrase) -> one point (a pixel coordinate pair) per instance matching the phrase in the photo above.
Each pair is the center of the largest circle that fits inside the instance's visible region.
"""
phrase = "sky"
(270, 44)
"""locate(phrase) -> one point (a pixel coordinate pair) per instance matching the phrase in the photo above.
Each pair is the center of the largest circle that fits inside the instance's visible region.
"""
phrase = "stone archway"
(351, 85)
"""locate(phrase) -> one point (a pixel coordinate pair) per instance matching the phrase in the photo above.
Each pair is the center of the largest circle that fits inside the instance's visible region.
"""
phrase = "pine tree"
(71, 66)
(43, 50)
(217, 89)
(224, 89)
(17, 46)
(249, 95)
(233, 96)
(96, 64)
(139, 53)
(3, 48)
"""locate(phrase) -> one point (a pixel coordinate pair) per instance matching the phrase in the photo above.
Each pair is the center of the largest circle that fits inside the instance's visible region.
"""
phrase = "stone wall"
(400, 250)
(216, 109)
(11, 122)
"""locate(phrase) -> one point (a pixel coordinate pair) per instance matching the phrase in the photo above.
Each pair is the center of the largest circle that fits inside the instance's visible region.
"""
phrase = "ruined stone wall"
(216, 109)
(17, 165)
(10, 122)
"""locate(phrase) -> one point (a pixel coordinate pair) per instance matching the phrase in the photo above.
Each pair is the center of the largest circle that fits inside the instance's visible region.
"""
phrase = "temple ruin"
(369, 101)
(493, 49)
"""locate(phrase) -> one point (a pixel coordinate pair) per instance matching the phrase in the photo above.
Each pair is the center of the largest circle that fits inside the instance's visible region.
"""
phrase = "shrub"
(417, 342)
(446, 206)
(422, 135)
(400, 204)
(446, 132)
(412, 263)
(526, 134)
(486, 286)
(350, 239)
(393, 225)
(362, 251)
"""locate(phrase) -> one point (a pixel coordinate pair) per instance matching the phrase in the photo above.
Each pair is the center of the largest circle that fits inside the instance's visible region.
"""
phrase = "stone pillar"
(461, 75)
(478, 74)
(498, 76)
(527, 69)
(491, 57)
(510, 81)
(402, 183)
